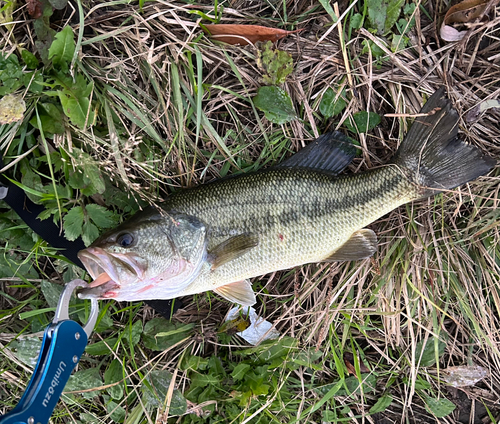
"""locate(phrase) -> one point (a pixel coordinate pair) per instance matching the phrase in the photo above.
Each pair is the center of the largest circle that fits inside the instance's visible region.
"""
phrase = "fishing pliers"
(63, 343)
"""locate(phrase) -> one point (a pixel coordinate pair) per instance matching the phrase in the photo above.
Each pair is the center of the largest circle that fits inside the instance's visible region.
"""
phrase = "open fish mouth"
(110, 272)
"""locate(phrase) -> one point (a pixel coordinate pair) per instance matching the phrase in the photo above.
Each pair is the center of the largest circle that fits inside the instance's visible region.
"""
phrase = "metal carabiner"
(63, 343)
(62, 310)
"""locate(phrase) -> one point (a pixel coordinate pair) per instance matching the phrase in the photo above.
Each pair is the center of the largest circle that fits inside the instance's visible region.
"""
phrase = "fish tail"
(433, 156)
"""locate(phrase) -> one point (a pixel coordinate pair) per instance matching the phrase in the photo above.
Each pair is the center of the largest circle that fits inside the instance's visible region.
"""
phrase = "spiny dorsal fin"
(361, 245)
(232, 248)
(240, 292)
(331, 152)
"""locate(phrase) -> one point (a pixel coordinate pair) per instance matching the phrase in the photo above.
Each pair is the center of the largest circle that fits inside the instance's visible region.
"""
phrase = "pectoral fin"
(240, 292)
(232, 248)
(361, 245)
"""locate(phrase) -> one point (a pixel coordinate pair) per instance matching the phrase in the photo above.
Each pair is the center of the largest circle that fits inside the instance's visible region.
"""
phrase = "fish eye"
(125, 240)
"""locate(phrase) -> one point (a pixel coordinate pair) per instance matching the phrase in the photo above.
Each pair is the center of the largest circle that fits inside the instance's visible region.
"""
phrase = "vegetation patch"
(110, 106)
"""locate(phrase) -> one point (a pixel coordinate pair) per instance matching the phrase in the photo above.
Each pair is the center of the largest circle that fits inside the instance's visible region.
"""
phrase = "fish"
(217, 236)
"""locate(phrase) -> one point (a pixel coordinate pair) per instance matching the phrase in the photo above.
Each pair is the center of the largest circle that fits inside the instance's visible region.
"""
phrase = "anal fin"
(232, 248)
(240, 292)
(361, 245)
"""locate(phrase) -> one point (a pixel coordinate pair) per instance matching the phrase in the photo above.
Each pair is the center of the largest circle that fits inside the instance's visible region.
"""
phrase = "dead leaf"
(12, 108)
(474, 113)
(349, 361)
(464, 12)
(463, 376)
(35, 8)
(245, 34)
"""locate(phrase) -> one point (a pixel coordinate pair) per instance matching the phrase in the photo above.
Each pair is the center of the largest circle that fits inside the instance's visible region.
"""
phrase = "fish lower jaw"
(108, 290)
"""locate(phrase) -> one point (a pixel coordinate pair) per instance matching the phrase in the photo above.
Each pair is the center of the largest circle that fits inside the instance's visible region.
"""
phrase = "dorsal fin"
(331, 152)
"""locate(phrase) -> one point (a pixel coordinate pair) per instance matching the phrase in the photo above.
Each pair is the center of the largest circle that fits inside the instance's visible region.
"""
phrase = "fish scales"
(300, 215)
(217, 236)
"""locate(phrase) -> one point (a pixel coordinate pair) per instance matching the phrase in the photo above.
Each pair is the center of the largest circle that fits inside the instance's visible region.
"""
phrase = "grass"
(367, 341)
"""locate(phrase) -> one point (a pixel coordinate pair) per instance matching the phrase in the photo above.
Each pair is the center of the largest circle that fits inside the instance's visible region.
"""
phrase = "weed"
(133, 102)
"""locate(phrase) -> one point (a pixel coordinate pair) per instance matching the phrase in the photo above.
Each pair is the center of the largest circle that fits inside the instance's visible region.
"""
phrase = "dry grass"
(437, 271)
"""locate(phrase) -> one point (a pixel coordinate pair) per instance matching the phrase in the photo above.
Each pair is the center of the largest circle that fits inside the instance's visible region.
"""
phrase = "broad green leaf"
(44, 33)
(369, 45)
(62, 49)
(275, 103)
(105, 322)
(329, 106)
(76, 179)
(215, 366)
(115, 411)
(10, 74)
(93, 174)
(363, 122)
(34, 81)
(239, 371)
(328, 7)
(77, 87)
(393, 12)
(377, 14)
(383, 14)
(101, 216)
(32, 180)
(50, 125)
(53, 111)
(399, 42)
(132, 333)
(203, 380)
(87, 177)
(155, 393)
(30, 59)
(73, 223)
(26, 349)
(426, 354)
(276, 64)
(51, 292)
(113, 375)
(439, 407)
(270, 349)
(58, 4)
(76, 109)
(160, 334)
(382, 404)
(84, 380)
(193, 362)
(306, 358)
(84, 417)
(89, 233)
(356, 21)
(74, 98)
(17, 236)
(51, 118)
(103, 347)
(16, 267)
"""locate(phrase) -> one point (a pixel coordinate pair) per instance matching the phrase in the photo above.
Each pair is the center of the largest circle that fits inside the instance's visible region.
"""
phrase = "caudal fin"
(433, 154)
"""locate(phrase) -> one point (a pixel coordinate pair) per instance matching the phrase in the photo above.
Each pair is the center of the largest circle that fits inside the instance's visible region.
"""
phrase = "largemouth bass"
(218, 235)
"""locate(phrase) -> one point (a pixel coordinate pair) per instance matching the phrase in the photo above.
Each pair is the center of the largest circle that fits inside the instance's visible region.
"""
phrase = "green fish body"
(295, 213)
(301, 216)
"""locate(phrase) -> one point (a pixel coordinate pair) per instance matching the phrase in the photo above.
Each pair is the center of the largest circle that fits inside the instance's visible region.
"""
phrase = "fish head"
(154, 255)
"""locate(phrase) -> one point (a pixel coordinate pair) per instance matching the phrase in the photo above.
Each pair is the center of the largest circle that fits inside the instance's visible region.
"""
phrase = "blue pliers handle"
(63, 343)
